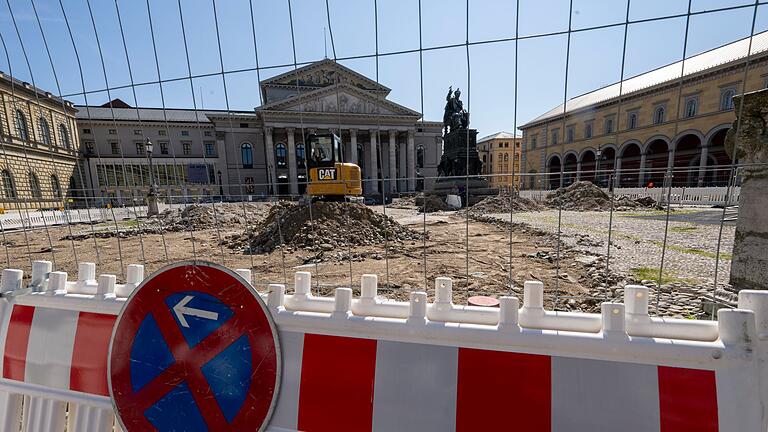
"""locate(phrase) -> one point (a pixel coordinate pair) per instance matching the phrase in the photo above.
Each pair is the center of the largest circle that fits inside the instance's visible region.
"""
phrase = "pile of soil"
(585, 196)
(193, 217)
(505, 202)
(430, 203)
(332, 225)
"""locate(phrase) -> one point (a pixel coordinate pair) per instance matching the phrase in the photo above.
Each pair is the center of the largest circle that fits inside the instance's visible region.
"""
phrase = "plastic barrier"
(373, 364)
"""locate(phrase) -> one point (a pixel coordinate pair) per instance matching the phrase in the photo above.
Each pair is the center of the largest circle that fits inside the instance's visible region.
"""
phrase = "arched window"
(246, 151)
(658, 115)
(632, 120)
(690, 108)
(282, 155)
(420, 156)
(64, 135)
(55, 187)
(9, 188)
(506, 157)
(21, 125)
(34, 186)
(360, 156)
(45, 131)
(300, 154)
(726, 99)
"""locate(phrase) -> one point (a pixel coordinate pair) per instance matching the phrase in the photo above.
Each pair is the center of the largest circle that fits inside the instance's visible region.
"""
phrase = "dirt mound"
(431, 203)
(333, 224)
(505, 202)
(585, 196)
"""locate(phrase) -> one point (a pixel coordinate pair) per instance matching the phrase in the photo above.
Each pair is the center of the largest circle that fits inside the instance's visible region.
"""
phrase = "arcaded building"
(633, 131)
(261, 152)
(38, 135)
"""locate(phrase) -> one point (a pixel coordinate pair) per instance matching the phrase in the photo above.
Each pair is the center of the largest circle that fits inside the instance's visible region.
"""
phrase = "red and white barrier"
(373, 364)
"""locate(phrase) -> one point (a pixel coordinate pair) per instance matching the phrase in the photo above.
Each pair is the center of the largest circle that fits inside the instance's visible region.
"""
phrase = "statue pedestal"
(459, 159)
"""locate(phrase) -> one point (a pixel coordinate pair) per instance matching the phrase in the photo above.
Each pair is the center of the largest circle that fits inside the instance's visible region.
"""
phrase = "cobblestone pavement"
(637, 240)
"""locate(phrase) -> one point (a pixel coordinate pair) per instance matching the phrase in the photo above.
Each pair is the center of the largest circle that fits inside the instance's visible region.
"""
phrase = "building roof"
(497, 135)
(723, 55)
(172, 115)
(19, 85)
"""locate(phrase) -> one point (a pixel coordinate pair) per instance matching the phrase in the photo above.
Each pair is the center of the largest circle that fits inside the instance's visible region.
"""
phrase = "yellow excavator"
(330, 178)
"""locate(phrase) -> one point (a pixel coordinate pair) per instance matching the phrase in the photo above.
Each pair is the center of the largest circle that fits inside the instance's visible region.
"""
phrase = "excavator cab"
(329, 176)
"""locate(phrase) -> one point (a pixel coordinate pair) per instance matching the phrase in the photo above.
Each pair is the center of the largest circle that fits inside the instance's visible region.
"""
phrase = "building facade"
(261, 152)
(38, 134)
(501, 156)
(634, 131)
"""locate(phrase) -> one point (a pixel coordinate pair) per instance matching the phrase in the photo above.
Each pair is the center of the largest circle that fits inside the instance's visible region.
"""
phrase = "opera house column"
(392, 161)
(411, 161)
(352, 146)
(292, 173)
(373, 166)
(270, 160)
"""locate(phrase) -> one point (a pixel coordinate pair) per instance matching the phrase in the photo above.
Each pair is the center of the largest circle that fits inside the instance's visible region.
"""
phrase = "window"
(115, 147)
(137, 131)
(64, 135)
(690, 107)
(184, 133)
(569, 133)
(164, 147)
(34, 186)
(186, 147)
(9, 189)
(86, 131)
(162, 132)
(207, 133)
(506, 145)
(501, 145)
(420, 156)
(659, 115)
(533, 143)
(555, 133)
(246, 151)
(113, 131)
(300, 154)
(632, 121)
(608, 126)
(506, 157)
(140, 148)
(588, 130)
(280, 152)
(244, 125)
(55, 187)
(210, 148)
(726, 99)
(89, 147)
(45, 131)
(21, 125)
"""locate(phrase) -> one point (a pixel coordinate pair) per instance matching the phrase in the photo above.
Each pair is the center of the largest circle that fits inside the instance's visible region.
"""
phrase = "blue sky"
(489, 90)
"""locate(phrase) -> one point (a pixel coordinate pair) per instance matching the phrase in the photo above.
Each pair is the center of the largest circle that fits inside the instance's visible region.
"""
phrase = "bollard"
(757, 302)
(40, 271)
(245, 274)
(275, 295)
(443, 290)
(342, 305)
(11, 280)
(369, 286)
(106, 285)
(636, 299)
(533, 295)
(302, 282)
(57, 283)
(613, 318)
(508, 313)
(417, 312)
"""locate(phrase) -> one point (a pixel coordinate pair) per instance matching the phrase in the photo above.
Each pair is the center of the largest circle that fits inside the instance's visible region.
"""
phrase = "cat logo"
(326, 173)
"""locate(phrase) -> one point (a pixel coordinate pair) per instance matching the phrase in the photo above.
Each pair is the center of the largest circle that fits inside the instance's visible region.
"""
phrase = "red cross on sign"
(194, 349)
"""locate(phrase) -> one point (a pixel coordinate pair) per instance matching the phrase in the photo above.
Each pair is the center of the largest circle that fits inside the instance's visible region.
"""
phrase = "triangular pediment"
(342, 98)
(325, 73)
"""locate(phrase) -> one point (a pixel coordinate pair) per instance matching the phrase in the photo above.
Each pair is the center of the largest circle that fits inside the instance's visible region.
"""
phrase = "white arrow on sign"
(181, 309)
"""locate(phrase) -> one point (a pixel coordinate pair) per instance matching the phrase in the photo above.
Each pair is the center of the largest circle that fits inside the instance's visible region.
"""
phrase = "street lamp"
(221, 187)
(152, 209)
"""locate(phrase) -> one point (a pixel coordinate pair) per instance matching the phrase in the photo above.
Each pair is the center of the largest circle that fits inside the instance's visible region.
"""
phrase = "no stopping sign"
(194, 349)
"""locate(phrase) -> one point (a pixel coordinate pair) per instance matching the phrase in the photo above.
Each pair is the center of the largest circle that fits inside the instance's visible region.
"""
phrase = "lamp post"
(152, 209)
(221, 187)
